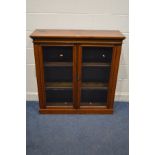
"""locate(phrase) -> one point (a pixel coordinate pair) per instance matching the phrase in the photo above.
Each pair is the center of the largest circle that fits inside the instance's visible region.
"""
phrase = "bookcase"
(76, 70)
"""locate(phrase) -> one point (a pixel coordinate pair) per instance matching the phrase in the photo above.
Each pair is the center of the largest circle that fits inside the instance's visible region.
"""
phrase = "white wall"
(78, 14)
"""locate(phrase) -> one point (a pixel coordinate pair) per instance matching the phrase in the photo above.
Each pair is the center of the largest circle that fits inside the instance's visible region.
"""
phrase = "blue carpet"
(78, 134)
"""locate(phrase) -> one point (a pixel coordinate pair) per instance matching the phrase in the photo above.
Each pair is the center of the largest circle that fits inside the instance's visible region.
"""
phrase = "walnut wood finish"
(77, 40)
(108, 34)
(40, 75)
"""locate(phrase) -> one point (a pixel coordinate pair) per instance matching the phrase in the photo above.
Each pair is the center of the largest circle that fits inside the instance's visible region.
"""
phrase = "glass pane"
(58, 54)
(95, 74)
(58, 69)
(93, 97)
(59, 96)
(97, 54)
(96, 64)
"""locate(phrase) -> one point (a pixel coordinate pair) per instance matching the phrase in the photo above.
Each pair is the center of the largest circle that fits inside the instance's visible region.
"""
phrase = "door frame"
(111, 87)
(38, 53)
(77, 62)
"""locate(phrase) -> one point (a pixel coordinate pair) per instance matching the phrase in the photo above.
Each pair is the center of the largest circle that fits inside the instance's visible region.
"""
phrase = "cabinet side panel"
(113, 75)
(40, 75)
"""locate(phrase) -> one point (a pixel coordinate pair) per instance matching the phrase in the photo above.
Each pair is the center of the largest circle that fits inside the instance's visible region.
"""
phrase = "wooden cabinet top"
(55, 33)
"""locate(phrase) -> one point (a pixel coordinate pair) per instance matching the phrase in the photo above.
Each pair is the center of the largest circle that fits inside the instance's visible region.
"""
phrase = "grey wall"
(78, 14)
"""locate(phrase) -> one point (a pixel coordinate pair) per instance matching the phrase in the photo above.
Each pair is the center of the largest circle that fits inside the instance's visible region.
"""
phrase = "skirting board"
(120, 96)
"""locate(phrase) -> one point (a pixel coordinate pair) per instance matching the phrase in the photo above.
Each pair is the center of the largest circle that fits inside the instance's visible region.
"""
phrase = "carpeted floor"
(78, 134)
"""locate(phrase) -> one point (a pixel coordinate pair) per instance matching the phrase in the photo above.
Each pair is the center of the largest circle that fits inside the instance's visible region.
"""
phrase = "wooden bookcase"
(76, 70)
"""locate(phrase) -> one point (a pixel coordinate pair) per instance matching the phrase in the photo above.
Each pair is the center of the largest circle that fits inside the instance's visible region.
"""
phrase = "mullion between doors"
(75, 74)
(79, 71)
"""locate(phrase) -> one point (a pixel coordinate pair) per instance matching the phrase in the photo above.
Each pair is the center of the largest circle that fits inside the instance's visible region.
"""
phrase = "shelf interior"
(95, 74)
(58, 69)
(58, 74)
(97, 54)
(94, 95)
(58, 53)
(59, 95)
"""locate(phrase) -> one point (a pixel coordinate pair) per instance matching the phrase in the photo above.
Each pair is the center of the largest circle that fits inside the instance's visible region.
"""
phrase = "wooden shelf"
(96, 64)
(93, 104)
(88, 64)
(58, 64)
(68, 85)
(51, 85)
(94, 85)
(55, 104)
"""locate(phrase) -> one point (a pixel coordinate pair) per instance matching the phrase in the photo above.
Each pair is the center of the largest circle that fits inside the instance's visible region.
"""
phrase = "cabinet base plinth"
(76, 111)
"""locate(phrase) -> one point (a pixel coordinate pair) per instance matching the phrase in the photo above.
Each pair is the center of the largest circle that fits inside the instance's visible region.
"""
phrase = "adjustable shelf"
(64, 85)
(59, 104)
(95, 64)
(58, 64)
(94, 85)
(76, 70)
(94, 104)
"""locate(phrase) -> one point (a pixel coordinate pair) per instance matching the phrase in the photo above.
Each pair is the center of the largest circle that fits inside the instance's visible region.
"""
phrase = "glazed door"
(93, 75)
(59, 63)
